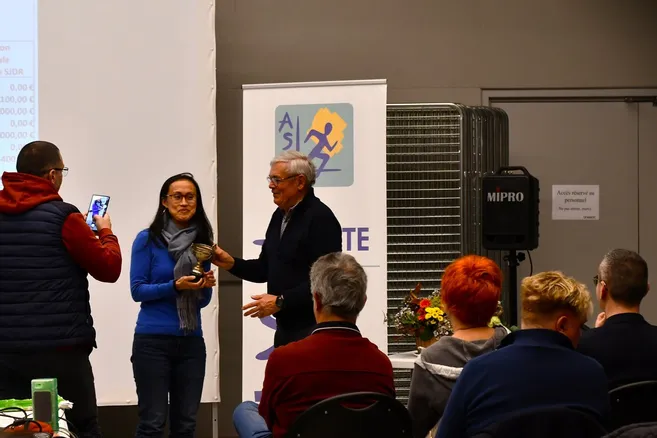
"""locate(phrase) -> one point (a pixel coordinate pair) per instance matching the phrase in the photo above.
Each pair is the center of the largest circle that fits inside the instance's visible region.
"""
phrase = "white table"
(403, 361)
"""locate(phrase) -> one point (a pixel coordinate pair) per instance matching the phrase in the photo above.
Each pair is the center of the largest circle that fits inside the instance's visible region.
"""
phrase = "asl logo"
(325, 134)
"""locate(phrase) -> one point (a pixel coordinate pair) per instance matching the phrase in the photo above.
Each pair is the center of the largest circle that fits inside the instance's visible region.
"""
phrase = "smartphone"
(97, 206)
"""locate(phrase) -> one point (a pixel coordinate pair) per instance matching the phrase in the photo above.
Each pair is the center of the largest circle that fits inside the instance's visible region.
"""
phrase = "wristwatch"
(280, 302)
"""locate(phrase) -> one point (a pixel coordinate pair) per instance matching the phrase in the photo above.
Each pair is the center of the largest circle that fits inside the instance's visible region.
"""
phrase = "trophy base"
(197, 275)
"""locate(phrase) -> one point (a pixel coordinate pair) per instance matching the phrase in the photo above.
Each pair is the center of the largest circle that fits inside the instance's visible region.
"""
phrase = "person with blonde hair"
(536, 367)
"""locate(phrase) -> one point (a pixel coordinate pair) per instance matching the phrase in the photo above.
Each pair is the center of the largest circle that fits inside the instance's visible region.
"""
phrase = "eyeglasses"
(64, 170)
(178, 197)
(596, 279)
(277, 180)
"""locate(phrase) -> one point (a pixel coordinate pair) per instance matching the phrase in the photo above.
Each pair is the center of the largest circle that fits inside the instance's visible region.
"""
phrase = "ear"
(318, 302)
(562, 324)
(604, 291)
(302, 182)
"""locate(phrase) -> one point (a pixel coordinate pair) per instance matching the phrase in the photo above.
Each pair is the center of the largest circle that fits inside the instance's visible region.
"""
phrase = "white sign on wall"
(575, 202)
(349, 117)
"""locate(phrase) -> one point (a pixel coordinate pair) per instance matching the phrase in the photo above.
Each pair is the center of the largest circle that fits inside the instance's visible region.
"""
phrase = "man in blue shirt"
(534, 368)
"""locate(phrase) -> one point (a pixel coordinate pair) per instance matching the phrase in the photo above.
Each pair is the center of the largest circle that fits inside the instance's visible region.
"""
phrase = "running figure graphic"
(318, 150)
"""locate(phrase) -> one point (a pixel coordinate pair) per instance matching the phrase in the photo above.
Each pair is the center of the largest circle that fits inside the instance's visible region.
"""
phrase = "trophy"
(202, 253)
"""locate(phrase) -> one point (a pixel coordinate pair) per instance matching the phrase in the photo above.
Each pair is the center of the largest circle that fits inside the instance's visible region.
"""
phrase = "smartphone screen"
(97, 206)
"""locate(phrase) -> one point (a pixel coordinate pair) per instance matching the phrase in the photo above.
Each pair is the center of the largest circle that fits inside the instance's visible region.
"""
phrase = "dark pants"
(170, 367)
(284, 336)
(75, 383)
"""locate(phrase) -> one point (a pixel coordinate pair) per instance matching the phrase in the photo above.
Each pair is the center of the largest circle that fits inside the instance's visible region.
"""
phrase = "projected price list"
(18, 79)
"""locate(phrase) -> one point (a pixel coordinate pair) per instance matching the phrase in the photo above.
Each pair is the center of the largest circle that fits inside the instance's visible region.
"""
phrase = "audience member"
(470, 292)
(46, 252)
(623, 342)
(168, 351)
(335, 359)
(536, 367)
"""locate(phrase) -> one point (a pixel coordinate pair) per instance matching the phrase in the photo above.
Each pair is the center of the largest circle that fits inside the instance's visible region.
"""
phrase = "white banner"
(126, 117)
(351, 181)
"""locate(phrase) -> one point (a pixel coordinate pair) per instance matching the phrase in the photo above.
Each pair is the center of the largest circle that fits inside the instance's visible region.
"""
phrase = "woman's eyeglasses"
(178, 197)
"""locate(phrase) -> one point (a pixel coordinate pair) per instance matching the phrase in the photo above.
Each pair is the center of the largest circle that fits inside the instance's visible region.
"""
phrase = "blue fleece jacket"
(151, 284)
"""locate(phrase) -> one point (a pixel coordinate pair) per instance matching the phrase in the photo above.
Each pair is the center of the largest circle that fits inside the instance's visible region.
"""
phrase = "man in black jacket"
(301, 230)
(623, 342)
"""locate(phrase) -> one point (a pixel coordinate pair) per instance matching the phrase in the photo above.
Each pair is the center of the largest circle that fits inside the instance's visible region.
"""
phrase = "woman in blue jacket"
(168, 351)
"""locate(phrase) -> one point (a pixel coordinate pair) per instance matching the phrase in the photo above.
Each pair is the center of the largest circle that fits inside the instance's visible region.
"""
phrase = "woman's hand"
(209, 279)
(188, 283)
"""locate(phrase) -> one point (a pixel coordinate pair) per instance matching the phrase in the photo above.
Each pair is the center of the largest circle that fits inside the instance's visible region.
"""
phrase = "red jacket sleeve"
(100, 257)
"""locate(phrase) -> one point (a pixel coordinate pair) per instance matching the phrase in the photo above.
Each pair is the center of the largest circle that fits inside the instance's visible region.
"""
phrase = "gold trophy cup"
(202, 253)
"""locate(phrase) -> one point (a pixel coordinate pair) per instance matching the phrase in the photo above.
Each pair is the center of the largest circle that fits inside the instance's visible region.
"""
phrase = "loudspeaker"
(510, 210)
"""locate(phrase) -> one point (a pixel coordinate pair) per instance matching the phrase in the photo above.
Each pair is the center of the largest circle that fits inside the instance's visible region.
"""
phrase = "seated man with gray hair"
(623, 342)
(335, 359)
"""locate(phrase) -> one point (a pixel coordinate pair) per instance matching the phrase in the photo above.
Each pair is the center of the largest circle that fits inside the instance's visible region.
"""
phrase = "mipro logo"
(499, 196)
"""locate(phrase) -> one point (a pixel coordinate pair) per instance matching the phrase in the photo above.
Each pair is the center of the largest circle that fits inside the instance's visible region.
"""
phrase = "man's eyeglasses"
(277, 180)
(178, 197)
(64, 170)
(596, 280)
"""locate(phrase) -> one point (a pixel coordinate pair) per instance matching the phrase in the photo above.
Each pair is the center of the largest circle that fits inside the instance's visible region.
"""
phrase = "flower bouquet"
(423, 318)
(426, 320)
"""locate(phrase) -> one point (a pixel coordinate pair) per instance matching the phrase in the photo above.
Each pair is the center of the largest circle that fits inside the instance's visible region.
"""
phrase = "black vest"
(44, 293)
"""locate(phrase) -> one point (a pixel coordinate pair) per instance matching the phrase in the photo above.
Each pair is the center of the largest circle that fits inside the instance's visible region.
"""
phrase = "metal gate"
(436, 156)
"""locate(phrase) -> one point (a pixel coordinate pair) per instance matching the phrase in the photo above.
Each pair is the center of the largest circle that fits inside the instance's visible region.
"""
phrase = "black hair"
(38, 158)
(200, 219)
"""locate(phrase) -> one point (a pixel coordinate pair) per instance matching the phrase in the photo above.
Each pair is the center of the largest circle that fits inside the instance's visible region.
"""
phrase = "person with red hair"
(470, 292)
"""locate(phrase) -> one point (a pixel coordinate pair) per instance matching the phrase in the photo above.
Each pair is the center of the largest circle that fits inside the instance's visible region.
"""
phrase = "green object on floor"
(24, 404)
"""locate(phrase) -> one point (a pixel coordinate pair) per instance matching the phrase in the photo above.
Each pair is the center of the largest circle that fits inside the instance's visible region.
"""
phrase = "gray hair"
(341, 283)
(626, 275)
(297, 164)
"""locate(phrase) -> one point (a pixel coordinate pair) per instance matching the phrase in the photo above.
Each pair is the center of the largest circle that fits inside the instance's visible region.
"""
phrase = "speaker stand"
(513, 260)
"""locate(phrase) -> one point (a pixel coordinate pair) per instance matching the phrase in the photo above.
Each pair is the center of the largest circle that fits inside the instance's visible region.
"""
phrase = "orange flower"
(425, 303)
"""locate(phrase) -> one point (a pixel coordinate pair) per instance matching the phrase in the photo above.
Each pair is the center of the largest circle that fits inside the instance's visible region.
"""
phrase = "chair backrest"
(633, 403)
(560, 422)
(354, 415)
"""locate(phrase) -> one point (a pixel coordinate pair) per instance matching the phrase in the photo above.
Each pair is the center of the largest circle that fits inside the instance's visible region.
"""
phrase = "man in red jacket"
(46, 251)
(335, 359)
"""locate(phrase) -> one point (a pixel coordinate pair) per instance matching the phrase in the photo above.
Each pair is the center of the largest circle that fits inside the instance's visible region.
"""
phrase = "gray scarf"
(179, 245)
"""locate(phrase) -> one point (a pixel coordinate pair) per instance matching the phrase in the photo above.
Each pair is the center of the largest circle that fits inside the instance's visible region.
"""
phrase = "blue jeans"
(248, 422)
(173, 368)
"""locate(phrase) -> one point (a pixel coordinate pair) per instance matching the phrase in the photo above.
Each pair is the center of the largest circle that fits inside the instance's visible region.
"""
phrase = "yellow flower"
(440, 318)
(494, 321)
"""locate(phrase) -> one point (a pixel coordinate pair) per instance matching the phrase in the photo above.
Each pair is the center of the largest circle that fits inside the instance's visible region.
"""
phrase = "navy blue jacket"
(284, 262)
(625, 346)
(532, 369)
(44, 293)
